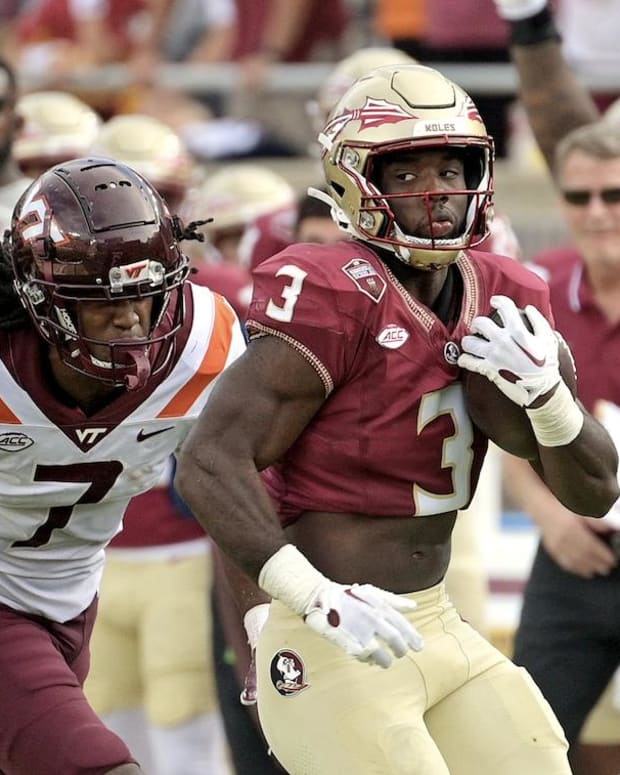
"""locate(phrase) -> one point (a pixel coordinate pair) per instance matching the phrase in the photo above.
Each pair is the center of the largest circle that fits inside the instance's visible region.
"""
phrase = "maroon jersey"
(231, 281)
(593, 339)
(393, 436)
(269, 234)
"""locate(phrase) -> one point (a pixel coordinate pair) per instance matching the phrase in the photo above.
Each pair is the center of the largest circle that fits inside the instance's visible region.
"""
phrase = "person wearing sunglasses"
(569, 634)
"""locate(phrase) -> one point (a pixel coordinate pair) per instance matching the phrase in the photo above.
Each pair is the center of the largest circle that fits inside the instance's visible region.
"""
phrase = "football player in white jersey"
(107, 355)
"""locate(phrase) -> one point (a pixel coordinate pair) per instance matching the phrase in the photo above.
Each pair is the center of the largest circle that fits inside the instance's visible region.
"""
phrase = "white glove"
(608, 414)
(358, 618)
(361, 619)
(523, 365)
(514, 10)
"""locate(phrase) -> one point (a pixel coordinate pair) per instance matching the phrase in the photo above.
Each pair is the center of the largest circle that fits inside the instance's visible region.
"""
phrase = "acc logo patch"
(392, 337)
(451, 353)
(14, 442)
(287, 673)
(366, 278)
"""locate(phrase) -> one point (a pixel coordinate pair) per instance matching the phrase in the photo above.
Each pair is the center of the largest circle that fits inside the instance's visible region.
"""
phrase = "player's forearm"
(226, 495)
(582, 474)
(527, 489)
(246, 593)
(555, 100)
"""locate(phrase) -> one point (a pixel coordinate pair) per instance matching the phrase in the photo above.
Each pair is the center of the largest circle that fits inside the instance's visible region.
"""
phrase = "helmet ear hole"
(474, 167)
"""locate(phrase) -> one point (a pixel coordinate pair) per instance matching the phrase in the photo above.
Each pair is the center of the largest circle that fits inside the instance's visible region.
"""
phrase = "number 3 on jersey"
(290, 293)
(457, 455)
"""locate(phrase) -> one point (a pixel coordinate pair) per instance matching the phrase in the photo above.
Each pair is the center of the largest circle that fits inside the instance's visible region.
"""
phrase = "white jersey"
(66, 478)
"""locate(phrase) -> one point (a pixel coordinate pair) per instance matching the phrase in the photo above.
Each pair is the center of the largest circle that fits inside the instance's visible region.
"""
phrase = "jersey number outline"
(457, 454)
(101, 477)
(290, 293)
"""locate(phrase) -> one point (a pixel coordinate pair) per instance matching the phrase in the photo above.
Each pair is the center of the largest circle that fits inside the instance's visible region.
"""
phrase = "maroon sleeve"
(269, 234)
(299, 296)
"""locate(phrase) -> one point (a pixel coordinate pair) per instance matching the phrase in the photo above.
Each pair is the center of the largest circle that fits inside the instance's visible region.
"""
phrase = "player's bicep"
(261, 403)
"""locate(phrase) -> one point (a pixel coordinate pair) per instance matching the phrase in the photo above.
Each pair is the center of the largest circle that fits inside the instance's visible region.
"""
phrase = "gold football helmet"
(152, 148)
(238, 193)
(346, 72)
(404, 108)
(57, 126)
(233, 198)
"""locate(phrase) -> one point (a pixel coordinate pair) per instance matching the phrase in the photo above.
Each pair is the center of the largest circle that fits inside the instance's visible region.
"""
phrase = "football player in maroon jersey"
(349, 401)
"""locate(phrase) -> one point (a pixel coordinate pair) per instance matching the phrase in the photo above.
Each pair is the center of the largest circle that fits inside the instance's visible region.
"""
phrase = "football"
(499, 418)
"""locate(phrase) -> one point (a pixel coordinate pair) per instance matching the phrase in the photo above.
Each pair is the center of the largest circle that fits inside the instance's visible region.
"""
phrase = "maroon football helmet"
(94, 229)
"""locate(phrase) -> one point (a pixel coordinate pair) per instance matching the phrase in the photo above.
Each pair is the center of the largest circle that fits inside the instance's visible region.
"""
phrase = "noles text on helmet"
(403, 109)
(96, 230)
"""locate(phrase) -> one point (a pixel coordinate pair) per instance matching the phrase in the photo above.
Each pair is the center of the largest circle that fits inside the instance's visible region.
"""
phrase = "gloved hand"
(362, 620)
(513, 10)
(523, 365)
(253, 621)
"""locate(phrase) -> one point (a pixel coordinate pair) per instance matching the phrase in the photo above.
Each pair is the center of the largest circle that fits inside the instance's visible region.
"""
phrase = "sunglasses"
(581, 198)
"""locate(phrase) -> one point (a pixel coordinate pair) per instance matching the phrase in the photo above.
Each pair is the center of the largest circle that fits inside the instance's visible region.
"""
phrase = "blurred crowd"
(62, 44)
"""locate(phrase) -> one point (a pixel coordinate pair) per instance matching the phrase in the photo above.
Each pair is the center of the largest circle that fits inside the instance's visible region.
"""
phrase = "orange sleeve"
(212, 364)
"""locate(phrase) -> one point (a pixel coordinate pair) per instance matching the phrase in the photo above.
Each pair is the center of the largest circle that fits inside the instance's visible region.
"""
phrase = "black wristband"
(534, 29)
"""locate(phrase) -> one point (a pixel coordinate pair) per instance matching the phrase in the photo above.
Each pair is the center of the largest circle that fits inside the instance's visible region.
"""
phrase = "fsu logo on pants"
(287, 673)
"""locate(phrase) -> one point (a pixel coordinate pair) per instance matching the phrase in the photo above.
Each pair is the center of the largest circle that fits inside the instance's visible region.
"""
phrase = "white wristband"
(559, 421)
(515, 10)
(290, 577)
(254, 621)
